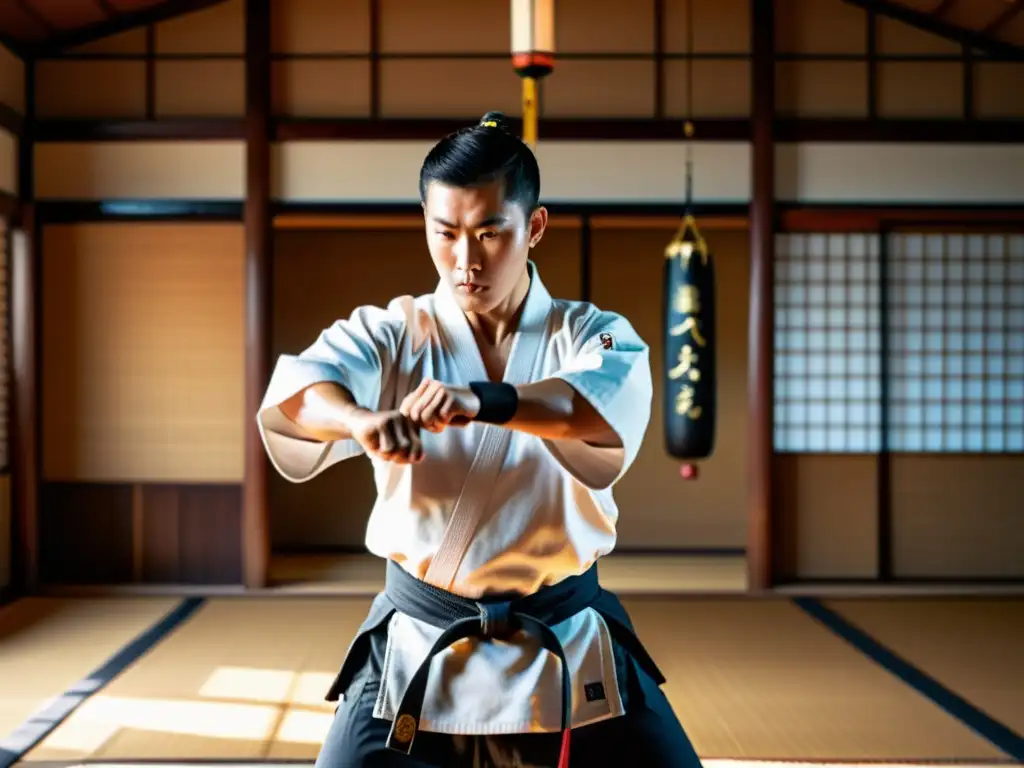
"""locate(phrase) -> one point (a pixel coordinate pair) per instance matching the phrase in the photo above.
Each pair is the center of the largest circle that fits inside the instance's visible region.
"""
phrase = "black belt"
(462, 618)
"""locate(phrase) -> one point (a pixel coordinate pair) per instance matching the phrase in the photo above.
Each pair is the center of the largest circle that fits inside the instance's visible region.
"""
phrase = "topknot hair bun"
(495, 120)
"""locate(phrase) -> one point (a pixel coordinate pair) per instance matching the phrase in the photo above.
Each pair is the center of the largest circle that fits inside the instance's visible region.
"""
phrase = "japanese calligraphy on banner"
(689, 391)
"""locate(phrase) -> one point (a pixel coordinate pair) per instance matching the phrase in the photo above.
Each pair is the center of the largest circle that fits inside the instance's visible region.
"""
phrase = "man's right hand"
(387, 435)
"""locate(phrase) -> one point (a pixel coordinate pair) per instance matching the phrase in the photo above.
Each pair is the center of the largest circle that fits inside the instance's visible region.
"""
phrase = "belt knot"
(496, 620)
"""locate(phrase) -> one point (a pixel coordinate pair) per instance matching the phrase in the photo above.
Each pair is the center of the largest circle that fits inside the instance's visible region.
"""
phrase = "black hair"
(481, 154)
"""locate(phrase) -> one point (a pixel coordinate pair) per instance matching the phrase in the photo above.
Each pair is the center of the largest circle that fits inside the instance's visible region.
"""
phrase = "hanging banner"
(689, 398)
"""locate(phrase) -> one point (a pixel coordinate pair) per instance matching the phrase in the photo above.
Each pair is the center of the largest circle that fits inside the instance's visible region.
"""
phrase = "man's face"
(479, 242)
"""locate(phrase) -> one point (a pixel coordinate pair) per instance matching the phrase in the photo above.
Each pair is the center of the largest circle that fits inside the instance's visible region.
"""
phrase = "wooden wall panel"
(313, 87)
(958, 516)
(104, 89)
(822, 89)
(220, 91)
(829, 512)
(85, 533)
(12, 80)
(409, 88)
(896, 38)
(218, 29)
(586, 26)
(720, 26)
(6, 529)
(593, 88)
(116, 88)
(954, 517)
(999, 89)
(659, 509)
(721, 89)
(440, 43)
(132, 41)
(819, 26)
(457, 26)
(190, 534)
(120, 533)
(322, 88)
(9, 151)
(319, 26)
(920, 89)
(143, 323)
(320, 276)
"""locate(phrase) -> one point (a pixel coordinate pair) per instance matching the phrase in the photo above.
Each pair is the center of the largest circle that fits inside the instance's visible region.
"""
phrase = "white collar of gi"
(532, 324)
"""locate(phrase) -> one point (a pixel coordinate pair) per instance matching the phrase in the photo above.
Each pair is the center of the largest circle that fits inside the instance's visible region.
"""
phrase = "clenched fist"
(387, 435)
(435, 406)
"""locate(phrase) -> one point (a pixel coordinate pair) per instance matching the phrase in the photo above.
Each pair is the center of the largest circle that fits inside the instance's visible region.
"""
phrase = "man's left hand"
(435, 405)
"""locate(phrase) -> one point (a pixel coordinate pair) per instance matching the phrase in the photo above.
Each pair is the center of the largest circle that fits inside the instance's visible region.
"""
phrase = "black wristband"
(498, 401)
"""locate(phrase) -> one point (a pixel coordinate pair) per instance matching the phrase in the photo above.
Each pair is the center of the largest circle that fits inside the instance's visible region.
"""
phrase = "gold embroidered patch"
(405, 728)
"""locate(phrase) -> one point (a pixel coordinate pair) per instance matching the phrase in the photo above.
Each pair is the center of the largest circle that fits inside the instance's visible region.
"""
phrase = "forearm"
(554, 410)
(322, 411)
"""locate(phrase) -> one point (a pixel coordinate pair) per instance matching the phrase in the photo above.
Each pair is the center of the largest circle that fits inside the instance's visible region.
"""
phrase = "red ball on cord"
(688, 471)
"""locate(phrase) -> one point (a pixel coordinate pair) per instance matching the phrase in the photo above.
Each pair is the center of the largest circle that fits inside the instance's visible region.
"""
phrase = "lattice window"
(956, 340)
(827, 343)
(953, 325)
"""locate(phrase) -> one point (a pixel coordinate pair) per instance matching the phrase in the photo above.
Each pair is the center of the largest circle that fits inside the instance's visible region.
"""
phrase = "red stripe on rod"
(533, 59)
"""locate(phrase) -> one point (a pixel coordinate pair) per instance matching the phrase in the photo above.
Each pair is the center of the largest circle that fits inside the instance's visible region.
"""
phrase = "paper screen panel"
(143, 352)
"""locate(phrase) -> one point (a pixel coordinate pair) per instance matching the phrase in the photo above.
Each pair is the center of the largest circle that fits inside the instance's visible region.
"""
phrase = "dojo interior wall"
(142, 402)
(145, 500)
(142, 421)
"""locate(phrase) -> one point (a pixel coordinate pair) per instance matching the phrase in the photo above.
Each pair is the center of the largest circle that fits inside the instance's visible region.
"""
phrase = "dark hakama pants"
(649, 734)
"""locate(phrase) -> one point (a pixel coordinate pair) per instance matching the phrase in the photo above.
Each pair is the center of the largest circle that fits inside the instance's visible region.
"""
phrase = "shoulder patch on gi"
(607, 341)
(594, 691)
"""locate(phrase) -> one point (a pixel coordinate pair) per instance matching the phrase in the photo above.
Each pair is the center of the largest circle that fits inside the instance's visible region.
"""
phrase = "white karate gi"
(549, 512)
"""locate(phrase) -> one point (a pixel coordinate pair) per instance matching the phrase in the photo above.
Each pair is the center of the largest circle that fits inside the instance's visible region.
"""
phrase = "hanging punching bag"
(689, 392)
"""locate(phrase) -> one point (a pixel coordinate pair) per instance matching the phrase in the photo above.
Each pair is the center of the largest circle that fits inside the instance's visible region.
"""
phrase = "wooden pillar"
(760, 541)
(258, 239)
(24, 289)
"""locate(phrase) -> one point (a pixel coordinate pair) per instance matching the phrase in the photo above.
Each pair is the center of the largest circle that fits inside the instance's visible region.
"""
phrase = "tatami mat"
(761, 680)
(48, 645)
(245, 679)
(975, 647)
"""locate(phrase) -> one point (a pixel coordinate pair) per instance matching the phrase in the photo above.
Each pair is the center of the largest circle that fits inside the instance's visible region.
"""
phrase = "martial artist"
(497, 419)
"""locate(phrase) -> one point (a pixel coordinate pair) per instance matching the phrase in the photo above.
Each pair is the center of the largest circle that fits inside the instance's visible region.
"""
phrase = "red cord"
(563, 758)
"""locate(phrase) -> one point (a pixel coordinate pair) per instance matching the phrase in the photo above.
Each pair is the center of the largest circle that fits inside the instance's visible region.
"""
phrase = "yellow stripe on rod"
(530, 111)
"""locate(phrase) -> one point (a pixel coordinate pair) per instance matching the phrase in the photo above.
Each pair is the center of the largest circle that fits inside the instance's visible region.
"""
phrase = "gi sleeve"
(358, 353)
(609, 366)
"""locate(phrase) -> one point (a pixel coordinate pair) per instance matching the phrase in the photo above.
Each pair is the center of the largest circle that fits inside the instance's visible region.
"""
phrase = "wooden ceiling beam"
(119, 23)
(927, 22)
(108, 10)
(38, 18)
(1008, 14)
